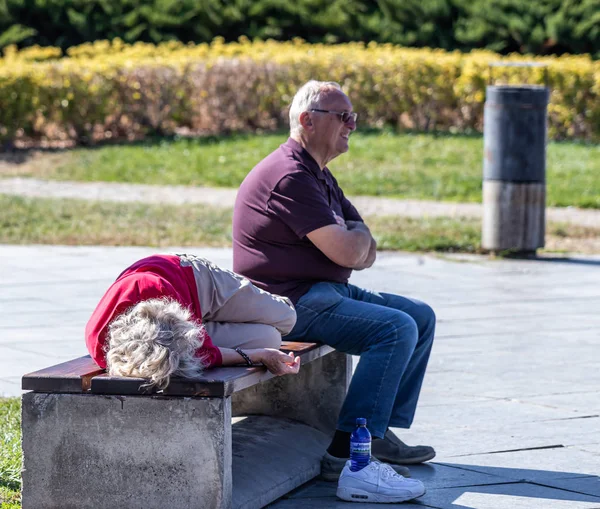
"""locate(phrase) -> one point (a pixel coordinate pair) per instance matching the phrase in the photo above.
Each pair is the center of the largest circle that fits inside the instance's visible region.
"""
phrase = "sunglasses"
(345, 116)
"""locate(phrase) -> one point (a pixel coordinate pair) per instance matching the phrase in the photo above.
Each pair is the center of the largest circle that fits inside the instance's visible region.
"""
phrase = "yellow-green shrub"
(117, 90)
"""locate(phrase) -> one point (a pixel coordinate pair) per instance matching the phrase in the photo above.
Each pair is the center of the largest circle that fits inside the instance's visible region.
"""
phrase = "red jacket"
(153, 277)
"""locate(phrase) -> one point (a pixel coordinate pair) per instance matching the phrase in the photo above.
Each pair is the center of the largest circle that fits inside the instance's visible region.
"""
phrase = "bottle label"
(360, 448)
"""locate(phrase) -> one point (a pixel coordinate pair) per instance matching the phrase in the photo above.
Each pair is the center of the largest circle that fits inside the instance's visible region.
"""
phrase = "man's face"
(330, 134)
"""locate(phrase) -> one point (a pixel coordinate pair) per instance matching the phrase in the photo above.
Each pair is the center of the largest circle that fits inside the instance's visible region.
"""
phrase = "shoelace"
(386, 471)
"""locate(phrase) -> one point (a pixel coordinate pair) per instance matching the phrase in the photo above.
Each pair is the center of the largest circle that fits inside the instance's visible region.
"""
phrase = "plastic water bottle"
(360, 446)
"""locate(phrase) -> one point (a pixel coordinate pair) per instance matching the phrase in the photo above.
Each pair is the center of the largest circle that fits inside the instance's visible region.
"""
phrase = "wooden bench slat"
(82, 375)
(71, 376)
(298, 347)
(215, 383)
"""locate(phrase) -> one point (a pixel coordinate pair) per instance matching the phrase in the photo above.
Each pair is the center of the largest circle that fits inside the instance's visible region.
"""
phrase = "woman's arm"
(275, 361)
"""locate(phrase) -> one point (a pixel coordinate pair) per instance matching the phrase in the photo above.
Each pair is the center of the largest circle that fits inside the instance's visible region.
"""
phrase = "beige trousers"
(236, 313)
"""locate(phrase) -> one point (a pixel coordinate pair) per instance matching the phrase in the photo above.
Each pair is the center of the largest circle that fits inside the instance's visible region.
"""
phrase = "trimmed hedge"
(114, 90)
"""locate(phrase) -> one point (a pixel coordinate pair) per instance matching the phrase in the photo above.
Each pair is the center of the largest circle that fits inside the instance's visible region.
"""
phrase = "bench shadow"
(464, 486)
(569, 260)
(508, 487)
(552, 259)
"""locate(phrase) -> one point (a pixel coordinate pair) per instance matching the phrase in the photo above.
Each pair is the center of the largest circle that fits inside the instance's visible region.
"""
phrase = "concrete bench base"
(86, 450)
(168, 458)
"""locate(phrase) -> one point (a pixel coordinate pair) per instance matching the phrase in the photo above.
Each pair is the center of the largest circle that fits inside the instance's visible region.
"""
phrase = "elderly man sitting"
(297, 235)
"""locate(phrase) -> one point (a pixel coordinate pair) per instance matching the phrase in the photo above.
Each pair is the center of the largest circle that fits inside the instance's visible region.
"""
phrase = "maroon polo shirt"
(285, 197)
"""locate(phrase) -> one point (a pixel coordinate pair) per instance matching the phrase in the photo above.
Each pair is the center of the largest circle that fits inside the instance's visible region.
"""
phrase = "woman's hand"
(279, 363)
(274, 360)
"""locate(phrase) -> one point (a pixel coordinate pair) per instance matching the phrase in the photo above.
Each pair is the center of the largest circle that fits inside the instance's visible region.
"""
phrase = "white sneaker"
(377, 482)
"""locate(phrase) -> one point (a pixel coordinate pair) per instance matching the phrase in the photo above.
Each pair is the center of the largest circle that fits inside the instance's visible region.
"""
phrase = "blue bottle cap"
(361, 421)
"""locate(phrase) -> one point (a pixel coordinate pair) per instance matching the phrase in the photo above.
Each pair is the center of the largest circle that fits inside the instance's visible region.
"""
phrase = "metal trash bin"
(514, 168)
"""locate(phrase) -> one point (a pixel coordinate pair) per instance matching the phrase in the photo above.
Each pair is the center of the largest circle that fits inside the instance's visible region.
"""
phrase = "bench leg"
(84, 451)
(314, 396)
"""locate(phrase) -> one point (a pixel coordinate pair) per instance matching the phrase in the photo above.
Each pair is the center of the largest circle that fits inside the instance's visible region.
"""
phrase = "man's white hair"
(154, 339)
(309, 96)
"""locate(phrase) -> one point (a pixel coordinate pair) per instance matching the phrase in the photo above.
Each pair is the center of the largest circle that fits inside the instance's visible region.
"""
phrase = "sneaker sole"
(361, 496)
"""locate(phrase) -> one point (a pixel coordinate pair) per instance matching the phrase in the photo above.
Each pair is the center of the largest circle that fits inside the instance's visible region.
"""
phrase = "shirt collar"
(304, 156)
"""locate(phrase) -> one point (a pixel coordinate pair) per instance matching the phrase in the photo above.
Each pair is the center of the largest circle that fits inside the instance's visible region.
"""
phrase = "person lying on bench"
(180, 314)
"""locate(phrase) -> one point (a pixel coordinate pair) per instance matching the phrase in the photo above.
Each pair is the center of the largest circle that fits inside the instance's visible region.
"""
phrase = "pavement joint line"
(569, 418)
(500, 483)
(539, 483)
(465, 467)
(542, 405)
(542, 447)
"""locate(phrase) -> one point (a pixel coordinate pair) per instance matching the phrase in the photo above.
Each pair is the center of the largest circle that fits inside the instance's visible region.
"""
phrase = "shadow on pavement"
(556, 259)
(488, 487)
(464, 486)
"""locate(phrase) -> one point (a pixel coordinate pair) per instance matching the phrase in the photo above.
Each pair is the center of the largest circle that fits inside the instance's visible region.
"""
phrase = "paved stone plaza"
(511, 401)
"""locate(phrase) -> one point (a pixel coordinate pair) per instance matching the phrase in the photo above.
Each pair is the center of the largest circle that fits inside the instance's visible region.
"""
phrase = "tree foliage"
(540, 26)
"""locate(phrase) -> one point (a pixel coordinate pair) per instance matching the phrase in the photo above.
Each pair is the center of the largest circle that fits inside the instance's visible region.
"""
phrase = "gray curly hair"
(309, 96)
(154, 339)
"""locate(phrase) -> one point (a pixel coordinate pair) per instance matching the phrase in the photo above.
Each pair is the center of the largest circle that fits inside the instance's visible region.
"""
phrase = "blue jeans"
(392, 335)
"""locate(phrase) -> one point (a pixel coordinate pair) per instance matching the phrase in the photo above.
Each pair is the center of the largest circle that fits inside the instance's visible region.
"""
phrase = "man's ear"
(305, 120)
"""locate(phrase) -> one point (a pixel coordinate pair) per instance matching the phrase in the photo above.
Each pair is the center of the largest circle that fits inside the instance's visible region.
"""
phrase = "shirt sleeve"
(298, 201)
(209, 354)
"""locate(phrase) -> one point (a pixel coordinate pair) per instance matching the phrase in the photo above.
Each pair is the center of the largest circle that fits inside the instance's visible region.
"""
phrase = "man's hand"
(372, 254)
(279, 363)
(370, 260)
(340, 221)
(357, 225)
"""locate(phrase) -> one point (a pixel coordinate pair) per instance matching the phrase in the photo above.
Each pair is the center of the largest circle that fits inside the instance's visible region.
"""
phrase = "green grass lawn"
(78, 222)
(10, 453)
(418, 166)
